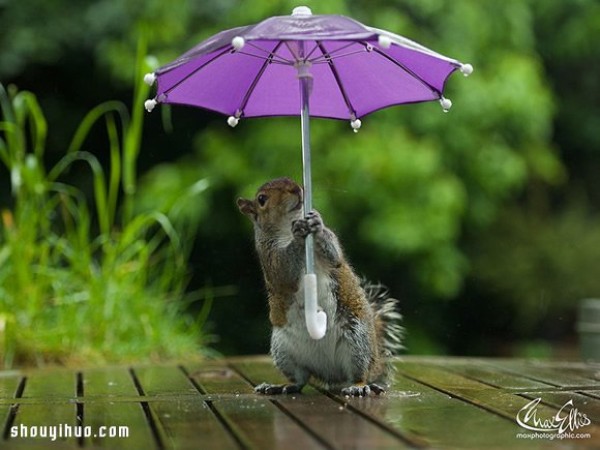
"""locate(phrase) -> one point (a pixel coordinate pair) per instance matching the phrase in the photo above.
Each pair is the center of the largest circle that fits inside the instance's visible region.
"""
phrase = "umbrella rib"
(262, 69)
(403, 67)
(337, 78)
(326, 61)
(307, 57)
(317, 60)
(291, 50)
(271, 54)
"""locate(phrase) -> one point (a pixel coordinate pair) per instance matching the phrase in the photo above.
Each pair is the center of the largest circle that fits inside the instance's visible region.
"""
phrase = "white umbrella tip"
(150, 104)
(384, 41)
(301, 11)
(466, 69)
(446, 104)
(355, 124)
(238, 42)
(149, 79)
(232, 121)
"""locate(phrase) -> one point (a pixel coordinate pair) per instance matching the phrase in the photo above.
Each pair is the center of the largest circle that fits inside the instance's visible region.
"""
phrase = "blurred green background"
(484, 221)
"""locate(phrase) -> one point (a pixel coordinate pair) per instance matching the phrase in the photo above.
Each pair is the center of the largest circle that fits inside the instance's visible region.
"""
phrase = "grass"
(86, 281)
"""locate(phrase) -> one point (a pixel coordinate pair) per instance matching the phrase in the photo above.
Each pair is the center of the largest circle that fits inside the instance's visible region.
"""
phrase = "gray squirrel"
(362, 329)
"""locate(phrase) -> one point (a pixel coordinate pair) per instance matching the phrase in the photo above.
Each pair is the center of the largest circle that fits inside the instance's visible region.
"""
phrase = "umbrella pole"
(306, 171)
(316, 319)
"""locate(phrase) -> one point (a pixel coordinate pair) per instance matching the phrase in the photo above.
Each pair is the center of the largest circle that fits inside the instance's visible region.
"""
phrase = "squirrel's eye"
(262, 199)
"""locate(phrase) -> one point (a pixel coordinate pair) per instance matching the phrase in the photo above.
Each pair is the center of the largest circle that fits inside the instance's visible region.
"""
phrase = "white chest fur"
(328, 359)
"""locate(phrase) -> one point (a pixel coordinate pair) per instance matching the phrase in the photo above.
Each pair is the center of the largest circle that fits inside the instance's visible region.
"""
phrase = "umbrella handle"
(316, 319)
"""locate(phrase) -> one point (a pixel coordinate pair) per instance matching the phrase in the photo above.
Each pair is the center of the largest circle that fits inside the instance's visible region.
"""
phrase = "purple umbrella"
(273, 68)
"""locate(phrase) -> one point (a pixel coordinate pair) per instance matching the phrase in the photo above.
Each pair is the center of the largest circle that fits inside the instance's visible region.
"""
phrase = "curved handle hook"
(316, 318)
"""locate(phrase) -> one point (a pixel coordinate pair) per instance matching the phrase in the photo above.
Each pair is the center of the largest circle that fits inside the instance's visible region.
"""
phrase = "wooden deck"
(435, 403)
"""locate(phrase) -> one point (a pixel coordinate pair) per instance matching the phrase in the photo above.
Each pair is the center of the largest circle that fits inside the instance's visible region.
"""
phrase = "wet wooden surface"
(434, 403)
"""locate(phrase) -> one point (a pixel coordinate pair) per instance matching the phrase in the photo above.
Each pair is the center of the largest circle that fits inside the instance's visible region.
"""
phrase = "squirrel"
(362, 325)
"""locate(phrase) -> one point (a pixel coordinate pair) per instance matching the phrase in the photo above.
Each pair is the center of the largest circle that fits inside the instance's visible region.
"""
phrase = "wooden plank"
(164, 380)
(55, 417)
(447, 421)
(591, 373)
(444, 420)
(51, 384)
(107, 383)
(337, 425)
(219, 379)
(103, 406)
(345, 426)
(525, 387)
(117, 425)
(586, 370)
(547, 374)
(261, 425)
(191, 423)
(256, 419)
(594, 393)
(480, 370)
(9, 385)
(9, 382)
(185, 420)
(504, 404)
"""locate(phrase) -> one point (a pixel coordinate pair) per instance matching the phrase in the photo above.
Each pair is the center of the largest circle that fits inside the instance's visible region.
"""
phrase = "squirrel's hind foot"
(362, 390)
(276, 389)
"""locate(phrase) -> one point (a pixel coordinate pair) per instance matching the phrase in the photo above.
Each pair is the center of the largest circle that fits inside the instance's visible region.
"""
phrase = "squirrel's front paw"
(300, 228)
(315, 223)
(312, 223)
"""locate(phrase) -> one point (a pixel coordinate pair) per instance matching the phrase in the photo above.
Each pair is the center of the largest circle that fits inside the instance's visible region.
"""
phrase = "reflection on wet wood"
(433, 403)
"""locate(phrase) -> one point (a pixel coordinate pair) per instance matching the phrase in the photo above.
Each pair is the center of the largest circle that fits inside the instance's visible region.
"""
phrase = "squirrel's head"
(277, 203)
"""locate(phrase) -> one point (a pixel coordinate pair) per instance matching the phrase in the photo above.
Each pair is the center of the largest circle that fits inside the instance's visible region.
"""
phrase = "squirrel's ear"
(246, 207)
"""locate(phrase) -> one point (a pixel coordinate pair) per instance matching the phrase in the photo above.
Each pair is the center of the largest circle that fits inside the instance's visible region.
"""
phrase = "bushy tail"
(387, 317)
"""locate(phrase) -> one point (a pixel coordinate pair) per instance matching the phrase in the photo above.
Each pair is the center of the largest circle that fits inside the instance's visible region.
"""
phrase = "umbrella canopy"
(252, 71)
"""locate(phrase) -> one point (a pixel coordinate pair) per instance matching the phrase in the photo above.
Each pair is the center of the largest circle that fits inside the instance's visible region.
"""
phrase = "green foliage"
(69, 291)
(539, 267)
